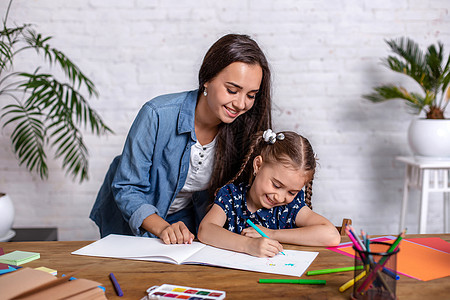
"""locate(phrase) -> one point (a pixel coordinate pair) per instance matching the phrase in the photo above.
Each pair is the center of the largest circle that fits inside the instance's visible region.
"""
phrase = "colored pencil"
(296, 281)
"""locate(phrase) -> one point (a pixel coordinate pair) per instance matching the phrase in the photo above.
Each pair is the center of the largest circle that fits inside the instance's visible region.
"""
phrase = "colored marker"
(296, 281)
(352, 231)
(394, 245)
(327, 271)
(353, 239)
(371, 277)
(116, 285)
(259, 231)
(351, 282)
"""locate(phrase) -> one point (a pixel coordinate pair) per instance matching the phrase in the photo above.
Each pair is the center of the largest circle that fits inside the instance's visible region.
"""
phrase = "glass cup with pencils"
(375, 272)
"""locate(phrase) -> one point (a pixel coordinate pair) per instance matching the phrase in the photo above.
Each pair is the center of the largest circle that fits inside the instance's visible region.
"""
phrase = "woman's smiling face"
(232, 92)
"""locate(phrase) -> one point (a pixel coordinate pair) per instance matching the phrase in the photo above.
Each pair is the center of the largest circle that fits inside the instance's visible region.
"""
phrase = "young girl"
(274, 171)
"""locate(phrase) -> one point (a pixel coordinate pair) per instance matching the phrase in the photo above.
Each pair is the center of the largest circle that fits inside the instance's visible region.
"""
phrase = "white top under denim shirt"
(199, 175)
(152, 169)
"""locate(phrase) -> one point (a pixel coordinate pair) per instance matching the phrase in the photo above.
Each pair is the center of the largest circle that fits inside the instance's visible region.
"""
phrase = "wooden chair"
(341, 228)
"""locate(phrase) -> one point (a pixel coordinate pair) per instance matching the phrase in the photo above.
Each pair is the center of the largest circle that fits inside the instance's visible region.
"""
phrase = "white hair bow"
(271, 137)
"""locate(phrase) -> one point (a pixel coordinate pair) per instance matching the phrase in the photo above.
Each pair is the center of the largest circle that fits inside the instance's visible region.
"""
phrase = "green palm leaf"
(54, 56)
(434, 59)
(28, 137)
(48, 112)
(414, 63)
(426, 68)
(389, 91)
(71, 148)
(62, 100)
(59, 104)
(5, 55)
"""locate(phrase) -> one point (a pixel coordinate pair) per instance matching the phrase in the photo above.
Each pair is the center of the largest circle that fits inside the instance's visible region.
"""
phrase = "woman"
(182, 147)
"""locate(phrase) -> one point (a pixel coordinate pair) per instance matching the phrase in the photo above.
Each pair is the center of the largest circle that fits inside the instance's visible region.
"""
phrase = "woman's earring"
(205, 92)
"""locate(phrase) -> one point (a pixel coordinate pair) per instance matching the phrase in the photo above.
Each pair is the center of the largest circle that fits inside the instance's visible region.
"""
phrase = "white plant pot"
(6, 218)
(430, 138)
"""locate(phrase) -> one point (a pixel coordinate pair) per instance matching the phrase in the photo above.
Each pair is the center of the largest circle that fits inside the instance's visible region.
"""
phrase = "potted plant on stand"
(43, 110)
(429, 136)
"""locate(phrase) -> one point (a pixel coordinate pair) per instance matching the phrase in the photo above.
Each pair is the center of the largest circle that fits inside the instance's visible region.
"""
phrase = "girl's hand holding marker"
(263, 234)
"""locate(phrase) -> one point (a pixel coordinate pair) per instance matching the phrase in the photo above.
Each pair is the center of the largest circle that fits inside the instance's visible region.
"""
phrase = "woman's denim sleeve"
(131, 184)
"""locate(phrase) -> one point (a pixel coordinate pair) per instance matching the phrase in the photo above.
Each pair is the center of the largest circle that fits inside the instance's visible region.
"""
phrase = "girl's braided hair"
(292, 151)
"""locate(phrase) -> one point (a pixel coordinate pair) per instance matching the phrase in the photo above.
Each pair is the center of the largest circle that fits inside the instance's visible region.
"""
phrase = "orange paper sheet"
(432, 242)
(417, 261)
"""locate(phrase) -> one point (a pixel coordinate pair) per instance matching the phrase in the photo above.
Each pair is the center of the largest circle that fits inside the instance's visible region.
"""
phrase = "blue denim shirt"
(152, 168)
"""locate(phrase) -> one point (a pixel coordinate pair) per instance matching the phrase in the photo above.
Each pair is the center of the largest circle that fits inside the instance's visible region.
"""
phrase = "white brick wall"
(324, 55)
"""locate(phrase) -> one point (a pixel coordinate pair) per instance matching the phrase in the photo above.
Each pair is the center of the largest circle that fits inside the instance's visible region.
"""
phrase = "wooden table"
(136, 276)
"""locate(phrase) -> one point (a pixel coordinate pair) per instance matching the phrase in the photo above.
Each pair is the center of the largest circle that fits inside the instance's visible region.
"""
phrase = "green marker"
(327, 271)
(296, 281)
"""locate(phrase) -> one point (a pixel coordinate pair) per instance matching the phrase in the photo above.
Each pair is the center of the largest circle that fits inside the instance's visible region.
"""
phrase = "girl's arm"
(313, 230)
(211, 232)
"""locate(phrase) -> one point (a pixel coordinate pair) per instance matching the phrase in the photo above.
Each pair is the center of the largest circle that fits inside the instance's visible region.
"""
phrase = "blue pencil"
(259, 231)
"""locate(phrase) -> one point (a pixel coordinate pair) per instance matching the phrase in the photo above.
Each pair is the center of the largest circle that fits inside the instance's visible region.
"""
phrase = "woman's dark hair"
(232, 139)
(291, 150)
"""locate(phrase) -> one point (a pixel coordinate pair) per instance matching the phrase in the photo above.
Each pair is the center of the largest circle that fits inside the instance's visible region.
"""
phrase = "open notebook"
(293, 263)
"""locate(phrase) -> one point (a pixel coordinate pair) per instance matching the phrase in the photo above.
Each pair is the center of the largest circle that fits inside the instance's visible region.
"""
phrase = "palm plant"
(45, 112)
(429, 69)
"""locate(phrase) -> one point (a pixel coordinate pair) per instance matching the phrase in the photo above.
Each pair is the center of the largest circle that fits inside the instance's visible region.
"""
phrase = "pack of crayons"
(169, 291)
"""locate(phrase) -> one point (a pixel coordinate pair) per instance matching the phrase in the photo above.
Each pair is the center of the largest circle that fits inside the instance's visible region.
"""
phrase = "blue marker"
(116, 285)
(259, 231)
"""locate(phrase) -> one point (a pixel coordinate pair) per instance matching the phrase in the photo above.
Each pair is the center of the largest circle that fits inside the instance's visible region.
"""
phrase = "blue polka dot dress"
(233, 200)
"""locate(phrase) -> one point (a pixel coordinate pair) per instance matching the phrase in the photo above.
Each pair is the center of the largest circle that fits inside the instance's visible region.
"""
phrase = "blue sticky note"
(10, 269)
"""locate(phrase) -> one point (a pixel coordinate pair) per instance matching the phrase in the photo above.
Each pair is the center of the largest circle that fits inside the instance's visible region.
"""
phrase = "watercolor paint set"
(169, 291)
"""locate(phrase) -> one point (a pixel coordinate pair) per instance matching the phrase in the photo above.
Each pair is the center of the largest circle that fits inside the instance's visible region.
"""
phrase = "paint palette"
(176, 292)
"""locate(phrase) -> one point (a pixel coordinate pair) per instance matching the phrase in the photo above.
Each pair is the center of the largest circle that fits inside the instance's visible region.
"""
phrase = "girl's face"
(275, 184)
(231, 93)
